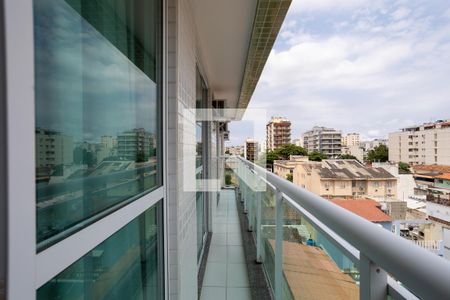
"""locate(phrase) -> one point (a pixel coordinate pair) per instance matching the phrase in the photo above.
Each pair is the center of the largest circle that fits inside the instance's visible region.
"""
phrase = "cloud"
(300, 6)
(378, 67)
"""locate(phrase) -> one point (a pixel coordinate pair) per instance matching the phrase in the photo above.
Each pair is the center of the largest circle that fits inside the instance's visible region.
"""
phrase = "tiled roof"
(351, 169)
(432, 168)
(365, 208)
(312, 274)
(445, 176)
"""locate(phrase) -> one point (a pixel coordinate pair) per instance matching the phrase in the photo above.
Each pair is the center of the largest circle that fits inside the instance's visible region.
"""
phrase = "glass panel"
(313, 266)
(128, 265)
(268, 215)
(97, 73)
(200, 208)
(200, 164)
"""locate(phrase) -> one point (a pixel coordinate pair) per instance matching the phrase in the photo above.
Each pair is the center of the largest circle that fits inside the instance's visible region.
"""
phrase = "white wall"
(181, 61)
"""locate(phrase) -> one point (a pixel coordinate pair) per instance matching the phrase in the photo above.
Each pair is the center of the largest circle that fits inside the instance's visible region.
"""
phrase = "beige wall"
(282, 170)
(343, 188)
(420, 147)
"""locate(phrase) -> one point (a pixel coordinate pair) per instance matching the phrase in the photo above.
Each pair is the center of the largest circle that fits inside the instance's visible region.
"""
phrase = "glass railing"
(313, 249)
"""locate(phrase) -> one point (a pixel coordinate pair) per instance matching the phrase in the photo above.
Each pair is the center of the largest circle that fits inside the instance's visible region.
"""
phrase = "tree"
(378, 154)
(347, 156)
(316, 156)
(271, 156)
(228, 179)
(403, 168)
(285, 151)
(290, 177)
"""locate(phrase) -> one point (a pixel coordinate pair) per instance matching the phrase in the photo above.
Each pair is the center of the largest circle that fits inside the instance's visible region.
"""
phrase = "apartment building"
(53, 149)
(136, 144)
(235, 150)
(251, 149)
(350, 139)
(324, 140)
(345, 179)
(285, 168)
(426, 144)
(278, 132)
(370, 145)
(356, 151)
(89, 69)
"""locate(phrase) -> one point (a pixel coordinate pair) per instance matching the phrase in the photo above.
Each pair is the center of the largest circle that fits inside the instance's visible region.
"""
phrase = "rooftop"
(312, 274)
(348, 169)
(430, 170)
(365, 208)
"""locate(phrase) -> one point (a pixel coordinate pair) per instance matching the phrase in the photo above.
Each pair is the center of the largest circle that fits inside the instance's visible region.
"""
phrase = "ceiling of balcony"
(224, 29)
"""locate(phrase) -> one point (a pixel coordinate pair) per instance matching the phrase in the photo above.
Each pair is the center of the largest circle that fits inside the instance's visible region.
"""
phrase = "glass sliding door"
(128, 265)
(201, 164)
(98, 109)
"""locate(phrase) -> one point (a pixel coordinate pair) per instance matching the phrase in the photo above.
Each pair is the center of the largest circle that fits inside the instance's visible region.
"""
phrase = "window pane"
(200, 163)
(97, 74)
(128, 265)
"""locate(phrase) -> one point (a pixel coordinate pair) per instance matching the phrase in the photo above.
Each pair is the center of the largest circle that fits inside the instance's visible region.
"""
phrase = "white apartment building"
(355, 150)
(427, 144)
(324, 140)
(351, 139)
(278, 132)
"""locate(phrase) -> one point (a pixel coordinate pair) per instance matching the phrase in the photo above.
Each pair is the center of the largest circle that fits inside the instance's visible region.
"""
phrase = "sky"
(366, 66)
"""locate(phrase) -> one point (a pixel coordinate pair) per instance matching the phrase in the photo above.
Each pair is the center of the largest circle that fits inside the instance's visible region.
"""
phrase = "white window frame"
(27, 270)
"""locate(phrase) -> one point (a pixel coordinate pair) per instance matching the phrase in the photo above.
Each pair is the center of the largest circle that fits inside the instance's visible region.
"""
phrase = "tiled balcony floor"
(226, 271)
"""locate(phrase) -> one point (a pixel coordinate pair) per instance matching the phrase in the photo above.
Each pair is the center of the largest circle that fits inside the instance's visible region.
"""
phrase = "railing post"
(259, 197)
(373, 280)
(247, 189)
(279, 246)
(250, 213)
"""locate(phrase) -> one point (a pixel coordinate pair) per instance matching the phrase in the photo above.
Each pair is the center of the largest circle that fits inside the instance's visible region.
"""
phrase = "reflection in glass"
(97, 100)
(128, 265)
(201, 93)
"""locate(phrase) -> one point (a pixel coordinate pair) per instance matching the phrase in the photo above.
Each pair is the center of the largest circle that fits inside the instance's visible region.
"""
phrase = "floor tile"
(215, 275)
(217, 254)
(234, 239)
(220, 228)
(219, 239)
(239, 294)
(235, 254)
(213, 293)
(237, 275)
(234, 228)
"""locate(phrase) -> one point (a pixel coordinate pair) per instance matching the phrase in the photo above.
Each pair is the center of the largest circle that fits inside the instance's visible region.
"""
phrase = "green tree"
(285, 151)
(378, 154)
(290, 177)
(347, 156)
(270, 157)
(403, 168)
(228, 179)
(316, 156)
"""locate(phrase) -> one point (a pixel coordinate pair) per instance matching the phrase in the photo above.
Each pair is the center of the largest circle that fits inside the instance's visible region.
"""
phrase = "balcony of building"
(296, 245)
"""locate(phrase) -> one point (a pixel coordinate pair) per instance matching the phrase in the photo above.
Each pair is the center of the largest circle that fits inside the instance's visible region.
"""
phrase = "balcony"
(310, 248)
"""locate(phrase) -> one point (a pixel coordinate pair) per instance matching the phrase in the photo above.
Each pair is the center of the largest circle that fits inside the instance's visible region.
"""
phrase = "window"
(98, 82)
(201, 102)
(128, 265)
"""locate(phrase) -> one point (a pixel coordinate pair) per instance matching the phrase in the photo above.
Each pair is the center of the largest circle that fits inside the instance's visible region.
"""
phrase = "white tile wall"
(181, 64)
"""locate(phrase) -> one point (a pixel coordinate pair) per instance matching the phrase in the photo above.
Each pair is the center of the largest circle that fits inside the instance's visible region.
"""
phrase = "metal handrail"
(424, 273)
